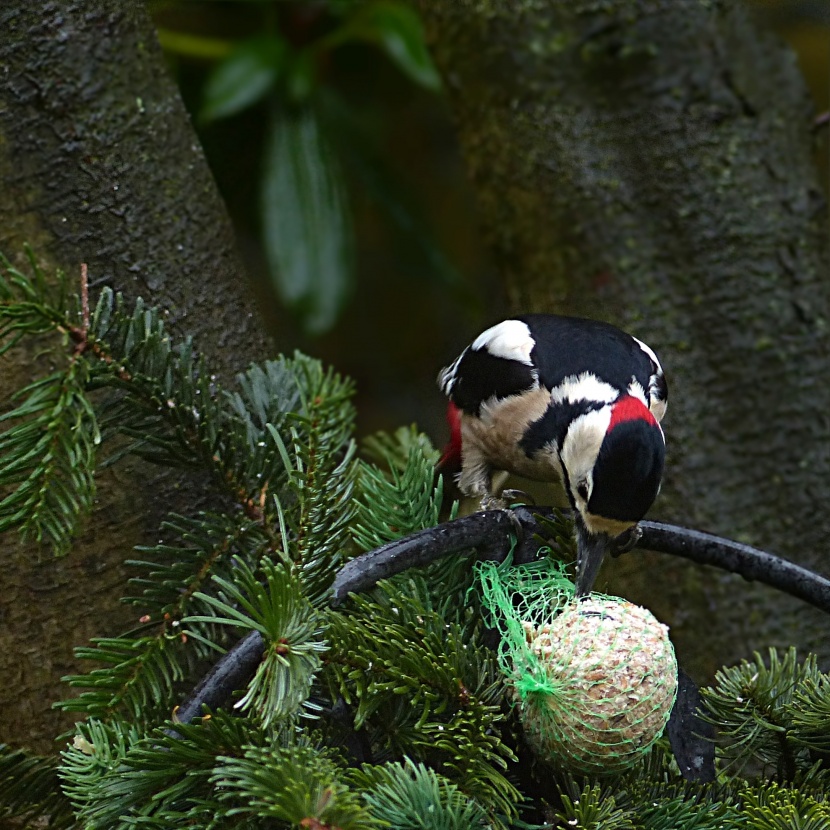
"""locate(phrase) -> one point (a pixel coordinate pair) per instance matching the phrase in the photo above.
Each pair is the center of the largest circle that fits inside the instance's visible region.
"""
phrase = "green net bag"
(595, 679)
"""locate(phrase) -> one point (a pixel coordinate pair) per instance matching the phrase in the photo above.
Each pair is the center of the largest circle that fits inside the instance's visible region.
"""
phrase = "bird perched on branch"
(562, 399)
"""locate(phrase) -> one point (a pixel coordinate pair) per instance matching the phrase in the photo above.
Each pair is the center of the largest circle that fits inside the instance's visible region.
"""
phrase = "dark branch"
(232, 671)
(750, 563)
(491, 527)
(492, 533)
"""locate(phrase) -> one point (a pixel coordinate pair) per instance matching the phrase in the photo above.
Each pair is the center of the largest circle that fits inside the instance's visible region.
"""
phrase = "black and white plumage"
(563, 399)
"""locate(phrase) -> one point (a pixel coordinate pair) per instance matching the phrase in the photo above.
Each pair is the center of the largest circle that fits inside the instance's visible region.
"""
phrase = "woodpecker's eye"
(582, 490)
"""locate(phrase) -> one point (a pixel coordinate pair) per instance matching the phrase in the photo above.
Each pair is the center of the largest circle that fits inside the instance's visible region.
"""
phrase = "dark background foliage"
(422, 281)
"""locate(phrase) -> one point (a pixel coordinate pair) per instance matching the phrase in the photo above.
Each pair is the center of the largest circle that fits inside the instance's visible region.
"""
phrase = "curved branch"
(750, 563)
(232, 671)
(492, 532)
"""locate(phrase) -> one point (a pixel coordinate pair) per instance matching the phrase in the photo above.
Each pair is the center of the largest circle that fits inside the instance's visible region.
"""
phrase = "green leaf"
(301, 76)
(396, 29)
(307, 227)
(356, 135)
(243, 77)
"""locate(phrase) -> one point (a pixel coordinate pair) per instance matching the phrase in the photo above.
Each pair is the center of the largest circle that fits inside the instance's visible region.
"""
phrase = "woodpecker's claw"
(626, 541)
(517, 497)
(491, 502)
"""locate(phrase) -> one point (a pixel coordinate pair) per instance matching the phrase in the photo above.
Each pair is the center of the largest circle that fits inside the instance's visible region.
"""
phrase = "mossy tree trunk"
(650, 163)
(99, 164)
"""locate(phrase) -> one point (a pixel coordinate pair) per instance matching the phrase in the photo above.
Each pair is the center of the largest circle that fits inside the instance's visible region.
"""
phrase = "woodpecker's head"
(612, 457)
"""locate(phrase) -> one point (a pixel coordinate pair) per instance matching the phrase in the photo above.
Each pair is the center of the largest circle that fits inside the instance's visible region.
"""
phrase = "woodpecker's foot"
(491, 502)
(518, 497)
(626, 541)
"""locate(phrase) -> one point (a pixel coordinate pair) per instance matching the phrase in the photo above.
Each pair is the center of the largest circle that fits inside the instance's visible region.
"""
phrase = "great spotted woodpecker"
(562, 399)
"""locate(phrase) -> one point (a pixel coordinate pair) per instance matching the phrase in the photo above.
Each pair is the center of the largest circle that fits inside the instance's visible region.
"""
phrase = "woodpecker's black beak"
(590, 551)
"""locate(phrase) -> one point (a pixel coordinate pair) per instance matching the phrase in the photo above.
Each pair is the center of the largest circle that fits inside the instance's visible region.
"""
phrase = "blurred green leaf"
(359, 148)
(395, 28)
(244, 76)
(301, 76)
(307, 227)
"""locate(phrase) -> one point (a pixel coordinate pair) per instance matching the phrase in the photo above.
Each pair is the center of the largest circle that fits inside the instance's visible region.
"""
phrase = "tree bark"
(100, 164)
(650, 163)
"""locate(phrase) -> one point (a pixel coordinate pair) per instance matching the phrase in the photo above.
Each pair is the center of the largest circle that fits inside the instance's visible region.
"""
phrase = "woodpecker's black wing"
(566, 347)
(522, 353)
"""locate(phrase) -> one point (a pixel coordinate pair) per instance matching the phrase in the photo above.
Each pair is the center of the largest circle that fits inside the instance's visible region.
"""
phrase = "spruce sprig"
(298, 785)
(119, 778)
(138, 674)
(319, 458)
(32, 305)
(289, 623)
(754, 705)
(423, 686)
(399, 498)
(48, 454)
(29, 787)
(411, 796)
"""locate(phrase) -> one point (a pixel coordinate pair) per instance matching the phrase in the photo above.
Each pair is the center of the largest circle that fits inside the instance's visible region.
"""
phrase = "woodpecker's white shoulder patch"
(650, 352)
(509, 339)
(657, 384)
(447, 376)
(635, 389)
(584, 387)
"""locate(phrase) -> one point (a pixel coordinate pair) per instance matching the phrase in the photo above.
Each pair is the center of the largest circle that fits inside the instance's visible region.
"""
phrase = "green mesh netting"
(595, 679)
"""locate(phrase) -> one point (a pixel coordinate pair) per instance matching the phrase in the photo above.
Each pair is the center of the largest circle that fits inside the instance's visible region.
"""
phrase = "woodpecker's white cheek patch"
(658, 408)
(509, 339)
(584, 387)
(581, 445)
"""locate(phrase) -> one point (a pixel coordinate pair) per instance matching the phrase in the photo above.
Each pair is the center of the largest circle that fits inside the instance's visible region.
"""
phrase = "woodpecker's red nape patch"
(629, 408)
(451, 457)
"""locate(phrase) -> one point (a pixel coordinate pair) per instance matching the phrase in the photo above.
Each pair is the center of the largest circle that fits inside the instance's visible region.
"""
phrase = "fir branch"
(206, 545)
(393, 451)
(140, 673)
(290, 627)
(31, 305)
(590, 809)
(772, 807)
(410, 796)
(29, 789)
(810, 713)
(139, 676)
(318, 455)
(120, 779)
(424, 686)
(751, 704)
(300, 785)
(49, 458)
(401, 501)
(95, 755)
